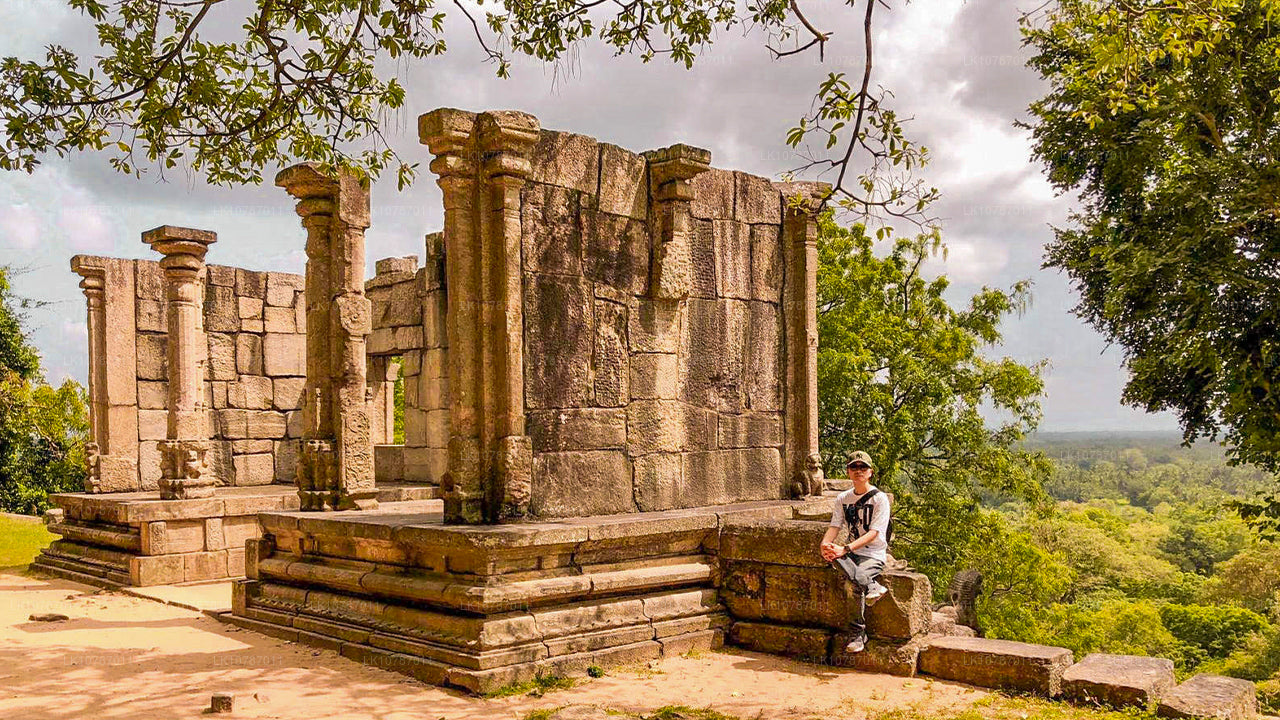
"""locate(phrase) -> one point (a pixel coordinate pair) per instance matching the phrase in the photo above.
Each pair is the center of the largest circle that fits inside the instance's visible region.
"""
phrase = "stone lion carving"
(810, 480)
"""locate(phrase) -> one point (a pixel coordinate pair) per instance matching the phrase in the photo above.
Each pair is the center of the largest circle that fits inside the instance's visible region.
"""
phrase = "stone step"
(84, 566)
(1001, 664)
(1211, 696)
(114, 560)
(47, 566)
(1118, 680)
(395, 492)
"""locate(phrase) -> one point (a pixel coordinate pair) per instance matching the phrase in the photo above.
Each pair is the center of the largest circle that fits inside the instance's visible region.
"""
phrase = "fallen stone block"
(807, 644)
(222, 703)
(1211, 696)
(1118, 680)
(887, 657)
(1002, 664)
(47, 617)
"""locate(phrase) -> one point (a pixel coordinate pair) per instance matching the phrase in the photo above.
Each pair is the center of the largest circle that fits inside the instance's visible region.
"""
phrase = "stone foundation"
(137, 539)
(479, 607)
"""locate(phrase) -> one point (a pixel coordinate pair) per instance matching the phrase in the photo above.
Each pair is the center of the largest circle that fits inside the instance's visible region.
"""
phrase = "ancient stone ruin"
(609, 378)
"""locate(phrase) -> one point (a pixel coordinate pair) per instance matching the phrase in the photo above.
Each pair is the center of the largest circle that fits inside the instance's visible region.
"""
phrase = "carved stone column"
(506, 138)
(801, 203)
(670, 171)
(111, 457)
(184, 455)
(335, 470)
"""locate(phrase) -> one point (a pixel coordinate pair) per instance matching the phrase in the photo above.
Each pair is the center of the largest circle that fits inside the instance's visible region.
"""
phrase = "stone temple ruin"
(610, 418)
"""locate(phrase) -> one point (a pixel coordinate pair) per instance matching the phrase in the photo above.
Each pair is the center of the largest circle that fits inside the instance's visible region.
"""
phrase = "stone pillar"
(111, 456)
(448, 135)
(335, 470)
(483, 163)
(506, 138)
(801, 203)
(184, 455)
(670, 171)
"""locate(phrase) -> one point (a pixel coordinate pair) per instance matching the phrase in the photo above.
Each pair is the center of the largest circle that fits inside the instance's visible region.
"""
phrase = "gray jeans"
(864, 572)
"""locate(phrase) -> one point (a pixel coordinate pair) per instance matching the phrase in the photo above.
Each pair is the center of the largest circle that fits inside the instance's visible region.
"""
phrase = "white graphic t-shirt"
(873, 515)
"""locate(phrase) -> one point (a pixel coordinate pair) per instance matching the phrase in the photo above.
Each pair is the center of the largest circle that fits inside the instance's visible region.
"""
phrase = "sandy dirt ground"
(120, 656)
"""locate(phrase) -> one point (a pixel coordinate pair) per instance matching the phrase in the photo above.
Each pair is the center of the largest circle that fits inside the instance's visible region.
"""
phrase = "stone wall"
(628, 332)
(255, 330)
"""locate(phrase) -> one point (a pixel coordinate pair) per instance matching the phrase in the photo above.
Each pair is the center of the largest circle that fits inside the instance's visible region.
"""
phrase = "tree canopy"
(228, 89)
(1163, 116)
(902, 374)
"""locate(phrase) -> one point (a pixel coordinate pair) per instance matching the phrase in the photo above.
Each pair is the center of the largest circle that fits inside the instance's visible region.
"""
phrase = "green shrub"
(1217, 630)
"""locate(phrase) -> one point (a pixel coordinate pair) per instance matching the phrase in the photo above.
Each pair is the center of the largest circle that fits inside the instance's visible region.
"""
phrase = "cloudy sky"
(956, 67)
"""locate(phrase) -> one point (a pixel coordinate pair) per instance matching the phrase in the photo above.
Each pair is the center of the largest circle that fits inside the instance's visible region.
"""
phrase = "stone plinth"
(479, 607)
(1001, 664)
(1118, 680)
(1211, 696)
(138, 539)
(785, 599)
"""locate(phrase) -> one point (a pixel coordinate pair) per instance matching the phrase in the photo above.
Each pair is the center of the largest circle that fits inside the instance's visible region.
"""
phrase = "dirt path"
(126, 657)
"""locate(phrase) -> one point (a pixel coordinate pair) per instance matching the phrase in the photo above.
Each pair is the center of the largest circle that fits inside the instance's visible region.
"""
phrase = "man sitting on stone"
(865, 511)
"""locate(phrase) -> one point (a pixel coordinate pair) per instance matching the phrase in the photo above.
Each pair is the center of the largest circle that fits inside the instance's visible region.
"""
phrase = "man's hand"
(831, 551)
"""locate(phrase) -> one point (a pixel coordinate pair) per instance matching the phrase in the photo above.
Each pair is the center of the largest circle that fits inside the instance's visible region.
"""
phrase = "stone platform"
(136, 539)
(479, 607)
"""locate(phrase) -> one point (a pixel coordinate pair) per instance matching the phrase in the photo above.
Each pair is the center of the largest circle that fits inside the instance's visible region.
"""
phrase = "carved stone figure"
(811, 480)
(963, 593)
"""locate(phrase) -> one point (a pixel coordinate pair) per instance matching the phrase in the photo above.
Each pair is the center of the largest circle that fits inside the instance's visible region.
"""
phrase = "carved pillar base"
(318, 486)
(186, 470)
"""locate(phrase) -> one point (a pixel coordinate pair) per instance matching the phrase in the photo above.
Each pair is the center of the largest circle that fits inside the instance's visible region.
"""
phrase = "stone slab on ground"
(1118, 680)
(1211, 696)
(1001, 664)
(206, 597)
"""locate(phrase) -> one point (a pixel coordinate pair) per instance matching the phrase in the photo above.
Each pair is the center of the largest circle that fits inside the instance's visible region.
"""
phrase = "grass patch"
(21, 540)
(540, 714)
(536, 687)
(1000, 707)
(595, 671)
(684, 712)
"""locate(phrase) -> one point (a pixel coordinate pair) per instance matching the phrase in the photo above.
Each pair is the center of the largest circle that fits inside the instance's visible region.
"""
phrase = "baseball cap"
(860, 457)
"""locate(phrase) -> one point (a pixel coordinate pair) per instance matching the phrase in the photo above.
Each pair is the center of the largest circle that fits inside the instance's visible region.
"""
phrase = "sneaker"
(857, 645)
(875, 592)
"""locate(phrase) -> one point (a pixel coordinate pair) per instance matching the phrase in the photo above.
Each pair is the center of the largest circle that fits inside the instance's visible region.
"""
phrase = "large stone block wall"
(637, 403)
(627, 332)
(255, 328)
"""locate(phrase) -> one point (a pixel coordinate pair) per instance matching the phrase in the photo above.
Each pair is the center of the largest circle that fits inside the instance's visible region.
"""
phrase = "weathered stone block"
(724, 476)
(617, 253)
(612, 377)
(264, 424)
(654, 326)
(153, 425)
(817, 597)
(756, 199)
(153, 316)
(279, 320)
(286, 460)
(762, 367)
(249, 308)
(248, 447)
(659, 480)
(566, 160)
(222, 357)
(251, 284)
(281, 288)
(153, 395)
(286, 393)
(1118, 680)
(1211, 696)
(711, 355)
(153, 360)
(1001, 664)
(905, 611)
(668, 426)
(750, 430)
(248, 354)
(221, 311)
(807, 644)
(552, 230)
(766, 263)
(147, 570)
(703, 261)
(426, 465)
(251, 392)
(204, 565)
(654, 376)
(220, 275)
(713, 194)
(624, 182)
(284, 355)
(560, 334)
(885, 657)
(255, 469)
(733, 259)
(578, 429)
(574, 484)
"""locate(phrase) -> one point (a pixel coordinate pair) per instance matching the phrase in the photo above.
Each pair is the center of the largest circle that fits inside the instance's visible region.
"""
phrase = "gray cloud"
(955, 67)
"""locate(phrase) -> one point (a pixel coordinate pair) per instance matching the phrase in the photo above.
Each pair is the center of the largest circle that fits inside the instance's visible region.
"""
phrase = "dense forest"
(1137, 549)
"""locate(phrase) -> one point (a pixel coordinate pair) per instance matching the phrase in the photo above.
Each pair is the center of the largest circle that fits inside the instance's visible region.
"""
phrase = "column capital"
(322, 192)
(672, 167)
(448, 134)
(183, 248)
(506, 137)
